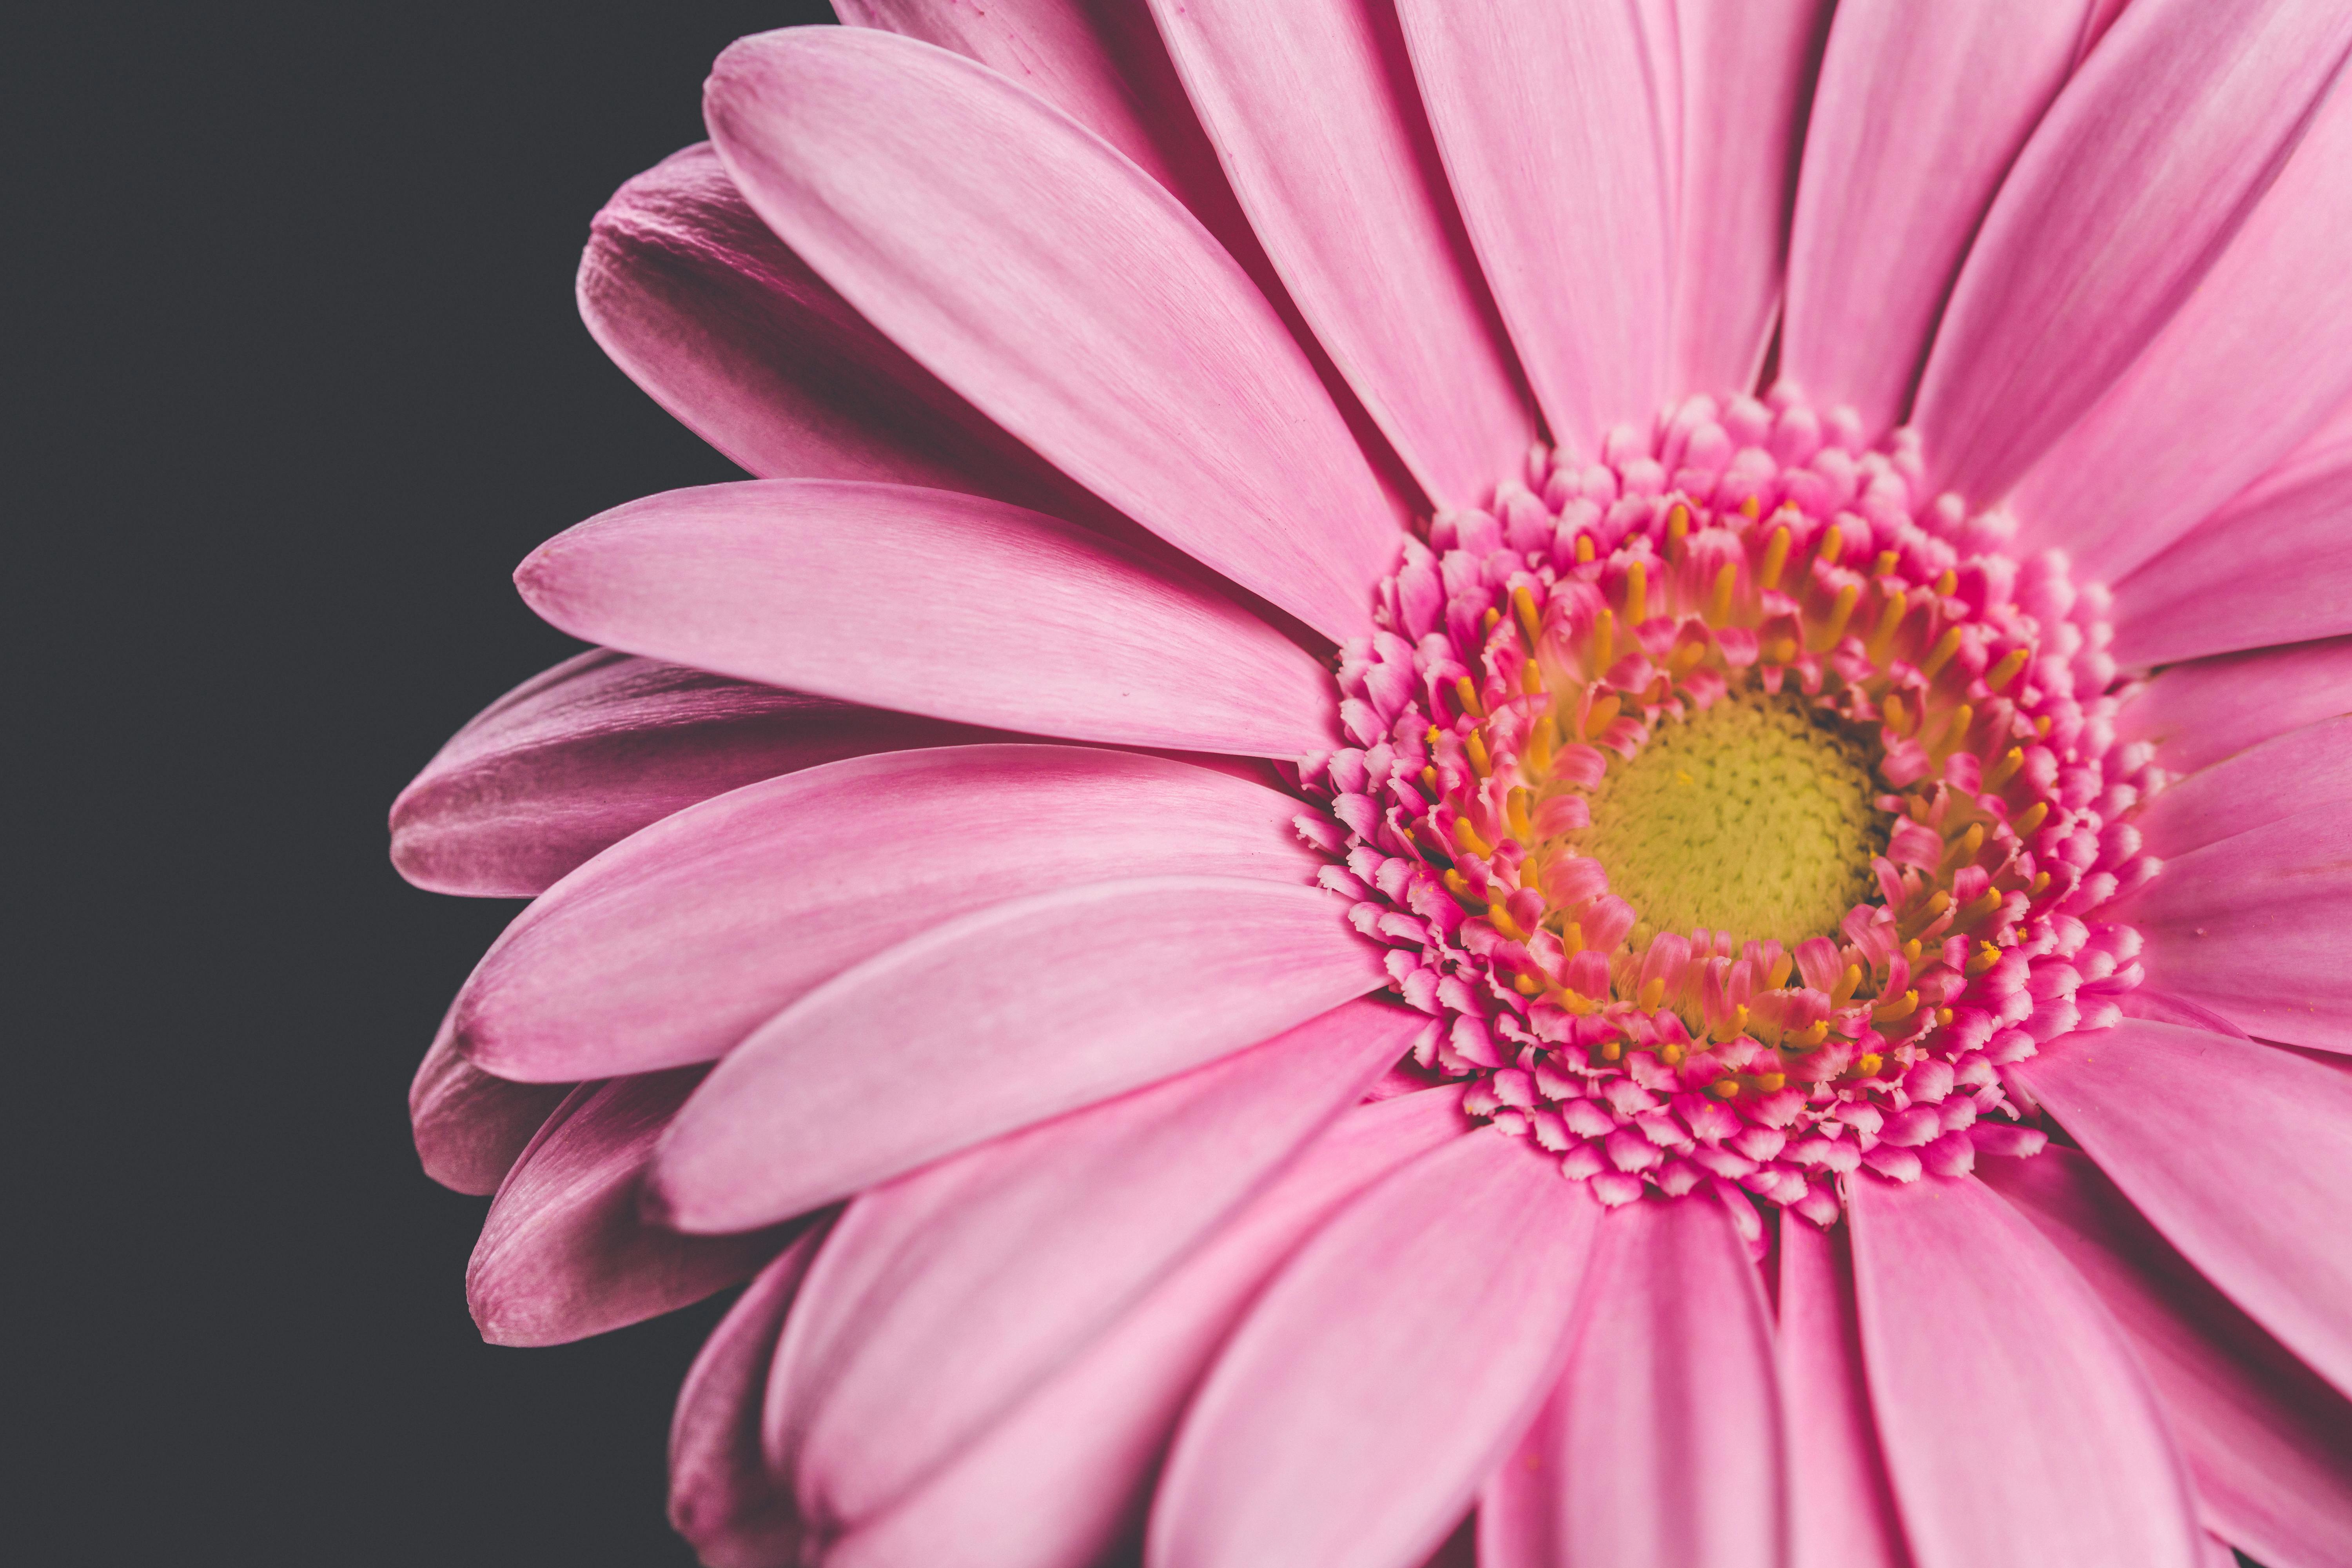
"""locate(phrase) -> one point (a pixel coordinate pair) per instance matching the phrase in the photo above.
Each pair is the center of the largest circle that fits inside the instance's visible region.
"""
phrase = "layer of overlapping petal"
(921, 931)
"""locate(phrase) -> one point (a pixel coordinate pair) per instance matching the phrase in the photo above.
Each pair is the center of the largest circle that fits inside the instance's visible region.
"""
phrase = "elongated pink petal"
(1064, 1479)
(2145, 167)
(2263, 1438)
(470, 1127)
(1355, 1411)
(2159, 453)
(2236, 1152)
(1842, 1511)
(574, 761)
(2275, 565)
(932, 603)
(1315, 112)
(1550, 139)
(949, 1294)
(2016, 1424)
(674, 944)
(944, 203)
(2196, 714)
(564, 1252)
(2251, 927)
(1747, 74)
(1662, 1445)
(2300, 770)
(996, 1020)
(723, 1498)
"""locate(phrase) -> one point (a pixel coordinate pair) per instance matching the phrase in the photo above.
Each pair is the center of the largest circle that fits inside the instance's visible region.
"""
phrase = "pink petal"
(1841, 1509)
(996, 1020)
(1355, 1412)
(2160, 452)
(1314, 109)
(2135, 180)
(2237, 1153)
(944, 203)
(1920, 110)
(933, 602)
(1544, 117)
(2263, 1438)
(946, 1296)
(1662, 1443)
(2253, 928)
(1064, 1478)
(723, 1498)
(676, 944)
(2196, 714)
(2275, 565)
(2017, 1427)
(1746, 72)
(470, 1127)
(575, 760)
(2300, 770)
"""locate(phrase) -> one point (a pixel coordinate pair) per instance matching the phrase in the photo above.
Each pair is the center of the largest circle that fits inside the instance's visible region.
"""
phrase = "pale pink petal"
(1354, 1414)
(945, 203)
(996, 1020)
(1064, 1479)
(574, 761)
(2253, 927)
(2161, 451)
(933, 602)
(1662, 1445)
(1841, 1512)
(1920, 110)
(2017, 1427)
(1746, 71)
(734, 1510)
(2142, 171)
(2300, 770)
(676, 944)
(2237, 1153)
(945, 1296)
(2273, 565)
(564, 1253)
(1314, 110)
(2196, 714)
(469, 1127)
(2263, 1438)
(1548, 127)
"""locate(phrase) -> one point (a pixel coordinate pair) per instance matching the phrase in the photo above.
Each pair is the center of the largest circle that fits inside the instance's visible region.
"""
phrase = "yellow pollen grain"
(1584, 549)
(1842, 612)
(1467, 694)
(1604, 639)
(1832, 548)
(1885, 563)
(1481, 763)
(2031, 817)
(1947, 585)
(2006, 768)
(1468, 837)
(1491, 619)
(2006, 670)
(1882, 637)
(1719, 607)
(1941, 654)
(1523, 605)
(1637, 591)
(1848, 984)
(1600, 715)
(1895, 1012)
(1653, 995)
(1776, 557)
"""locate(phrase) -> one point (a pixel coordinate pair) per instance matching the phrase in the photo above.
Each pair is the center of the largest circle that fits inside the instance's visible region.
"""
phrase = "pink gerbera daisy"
(1422, 807)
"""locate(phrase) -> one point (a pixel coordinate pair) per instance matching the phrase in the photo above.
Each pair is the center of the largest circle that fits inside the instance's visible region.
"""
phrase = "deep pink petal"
(1354, 1414)
(1315, 112)
(2254, 926)
(2017, 1427)
(2300, 770)
(1064, 1479)
(1842, 1511)
(674, 944)
(945, 203)
(2196, 714)
(2136, 179)
(932, 603)
(1546, 119)
(997, 1020)
(2160, 452)
(946, 1296)
(2237, 1153)
(723, 1498)
(1662, 1445)
(575, 760)
(1920, 110)
(2263, 1438)
(470, 1127)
